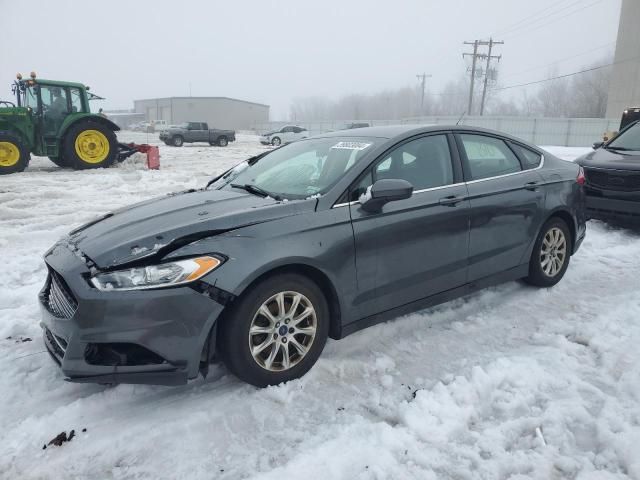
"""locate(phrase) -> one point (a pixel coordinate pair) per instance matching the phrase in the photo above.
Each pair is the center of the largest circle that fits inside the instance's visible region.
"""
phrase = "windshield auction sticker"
(351, 145)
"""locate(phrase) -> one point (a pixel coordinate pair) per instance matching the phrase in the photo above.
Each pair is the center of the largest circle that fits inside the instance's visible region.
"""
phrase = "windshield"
(300, 170)
(627, 140)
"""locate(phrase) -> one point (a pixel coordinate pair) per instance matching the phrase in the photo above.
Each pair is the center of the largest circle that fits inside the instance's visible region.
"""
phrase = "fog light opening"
(120, 355)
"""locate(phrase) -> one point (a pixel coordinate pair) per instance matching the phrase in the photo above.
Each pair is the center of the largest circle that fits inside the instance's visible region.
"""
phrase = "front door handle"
(450, 201)
(533, 186)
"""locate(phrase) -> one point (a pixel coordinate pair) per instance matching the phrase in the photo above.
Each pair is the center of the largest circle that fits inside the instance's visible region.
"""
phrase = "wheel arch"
(319, 278)
(561, 213)
(566, 216)
(89, 118)
(16, 133)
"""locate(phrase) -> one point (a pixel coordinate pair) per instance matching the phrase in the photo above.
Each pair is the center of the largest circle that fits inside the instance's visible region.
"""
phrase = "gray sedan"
(316, 239)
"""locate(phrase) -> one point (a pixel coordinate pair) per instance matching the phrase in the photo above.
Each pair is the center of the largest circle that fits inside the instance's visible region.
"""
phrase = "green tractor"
(53, 119)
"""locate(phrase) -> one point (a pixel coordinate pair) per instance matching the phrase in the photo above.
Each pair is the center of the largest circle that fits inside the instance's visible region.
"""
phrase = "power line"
(537, 27)
(560, 60)
(531, 20)
(561, 76)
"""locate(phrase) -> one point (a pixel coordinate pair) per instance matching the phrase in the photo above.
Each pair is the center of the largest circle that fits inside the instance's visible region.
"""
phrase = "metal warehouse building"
(218, 112)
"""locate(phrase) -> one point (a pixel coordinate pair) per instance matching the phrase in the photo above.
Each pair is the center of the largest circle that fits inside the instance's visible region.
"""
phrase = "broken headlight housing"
(167, 274)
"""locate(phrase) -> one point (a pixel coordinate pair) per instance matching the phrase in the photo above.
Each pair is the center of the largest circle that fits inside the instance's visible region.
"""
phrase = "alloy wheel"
(282, 331)
(553, 252)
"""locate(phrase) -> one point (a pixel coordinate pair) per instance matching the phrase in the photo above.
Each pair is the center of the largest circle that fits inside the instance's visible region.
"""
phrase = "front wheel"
(223, 142)
(14, 155)
(276, 332)
(89, 144)
(177, 141)
(276, 142)
(551, 254)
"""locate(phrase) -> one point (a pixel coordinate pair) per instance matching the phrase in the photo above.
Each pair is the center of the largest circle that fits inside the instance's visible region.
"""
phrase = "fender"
(74, 119)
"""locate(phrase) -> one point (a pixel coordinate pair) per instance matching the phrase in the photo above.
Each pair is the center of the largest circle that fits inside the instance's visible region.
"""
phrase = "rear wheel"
(276, 331)
(89, 145)
(551, 254)
(14, 155)
(223, 142)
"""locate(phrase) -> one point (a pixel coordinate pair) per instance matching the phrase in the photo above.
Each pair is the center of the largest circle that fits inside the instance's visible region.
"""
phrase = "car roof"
(394, 131)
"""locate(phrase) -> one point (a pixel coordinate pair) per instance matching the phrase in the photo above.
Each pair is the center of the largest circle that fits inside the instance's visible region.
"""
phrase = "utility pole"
(423, 78)
(483, 56)
(487, 70)
(473, 71)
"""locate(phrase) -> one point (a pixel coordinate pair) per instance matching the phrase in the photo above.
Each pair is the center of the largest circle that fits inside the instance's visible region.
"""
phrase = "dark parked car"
(612, 172)
(319, 238)
(196, 132)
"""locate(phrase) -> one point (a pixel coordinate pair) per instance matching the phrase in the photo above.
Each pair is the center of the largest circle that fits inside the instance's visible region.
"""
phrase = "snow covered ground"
(512, 382)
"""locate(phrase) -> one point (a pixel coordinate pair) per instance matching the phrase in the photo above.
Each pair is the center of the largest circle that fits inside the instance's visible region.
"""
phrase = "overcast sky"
(270, 51)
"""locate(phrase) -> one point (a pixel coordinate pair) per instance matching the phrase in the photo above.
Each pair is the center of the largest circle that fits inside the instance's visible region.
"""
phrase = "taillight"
(581, 179)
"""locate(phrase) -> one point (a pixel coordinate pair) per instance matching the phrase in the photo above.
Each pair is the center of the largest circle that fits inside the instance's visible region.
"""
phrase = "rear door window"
(488, 156)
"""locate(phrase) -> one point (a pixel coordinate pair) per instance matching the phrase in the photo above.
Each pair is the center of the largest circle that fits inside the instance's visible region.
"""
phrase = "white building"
(218, 112)
(624, 89)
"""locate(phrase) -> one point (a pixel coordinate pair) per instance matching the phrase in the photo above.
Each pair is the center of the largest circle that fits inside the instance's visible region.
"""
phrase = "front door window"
(55, 107)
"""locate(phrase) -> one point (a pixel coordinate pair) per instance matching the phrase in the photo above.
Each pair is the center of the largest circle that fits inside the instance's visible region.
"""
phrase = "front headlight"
(156, 276)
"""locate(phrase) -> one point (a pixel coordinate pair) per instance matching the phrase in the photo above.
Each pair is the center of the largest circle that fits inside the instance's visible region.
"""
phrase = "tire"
(234, 338)
(276, 142)
(222, 141)
(551, 254)
(177, 141)
(14, 155)
(89, 144)
(59, 161)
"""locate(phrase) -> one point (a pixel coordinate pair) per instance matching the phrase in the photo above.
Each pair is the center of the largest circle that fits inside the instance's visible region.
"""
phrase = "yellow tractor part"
(92, 146)
(9, 154)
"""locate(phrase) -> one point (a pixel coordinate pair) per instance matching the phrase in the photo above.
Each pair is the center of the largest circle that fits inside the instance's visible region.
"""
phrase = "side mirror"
(385, 191)
(597, 145)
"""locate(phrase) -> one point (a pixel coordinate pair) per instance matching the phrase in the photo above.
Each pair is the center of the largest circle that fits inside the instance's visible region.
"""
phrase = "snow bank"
(512, 382)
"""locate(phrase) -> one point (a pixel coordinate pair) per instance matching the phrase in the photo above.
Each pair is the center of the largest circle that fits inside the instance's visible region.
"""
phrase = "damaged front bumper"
(147, 336)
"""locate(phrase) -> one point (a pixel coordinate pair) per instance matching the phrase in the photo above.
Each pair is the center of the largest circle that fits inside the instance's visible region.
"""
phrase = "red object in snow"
(153, 153)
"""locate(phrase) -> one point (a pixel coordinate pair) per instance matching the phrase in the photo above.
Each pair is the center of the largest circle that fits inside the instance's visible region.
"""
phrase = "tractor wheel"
(89, 145)
(14, 155)
(59, 161)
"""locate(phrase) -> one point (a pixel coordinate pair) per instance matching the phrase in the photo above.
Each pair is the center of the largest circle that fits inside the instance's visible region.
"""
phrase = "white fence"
(569, 132)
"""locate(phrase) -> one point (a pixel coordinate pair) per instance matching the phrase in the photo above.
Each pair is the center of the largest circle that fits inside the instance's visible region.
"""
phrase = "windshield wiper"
(248, 187)
(622, 149)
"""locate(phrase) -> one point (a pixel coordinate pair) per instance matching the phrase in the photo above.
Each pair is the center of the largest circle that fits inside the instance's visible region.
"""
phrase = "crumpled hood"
(159, 225)
(603, 158)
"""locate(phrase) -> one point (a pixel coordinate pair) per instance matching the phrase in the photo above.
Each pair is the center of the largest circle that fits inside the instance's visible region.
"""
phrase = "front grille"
(58, 298)
(613, 179)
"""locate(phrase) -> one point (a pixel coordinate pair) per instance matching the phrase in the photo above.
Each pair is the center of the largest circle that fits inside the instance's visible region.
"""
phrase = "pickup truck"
(196, 132)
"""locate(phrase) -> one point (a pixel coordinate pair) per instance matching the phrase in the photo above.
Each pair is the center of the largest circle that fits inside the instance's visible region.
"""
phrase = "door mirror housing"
(597, 145)
(385, 191)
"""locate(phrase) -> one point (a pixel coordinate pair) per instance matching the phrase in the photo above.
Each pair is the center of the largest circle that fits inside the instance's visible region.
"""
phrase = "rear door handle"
(533, 186)
(451, 200)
